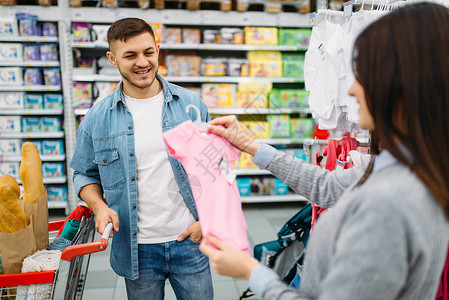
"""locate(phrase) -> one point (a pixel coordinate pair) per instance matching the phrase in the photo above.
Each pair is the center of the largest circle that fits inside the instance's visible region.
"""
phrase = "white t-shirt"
(162, 214)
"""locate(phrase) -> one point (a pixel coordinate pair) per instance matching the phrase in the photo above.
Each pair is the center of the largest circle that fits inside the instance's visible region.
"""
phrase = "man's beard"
(141, 86)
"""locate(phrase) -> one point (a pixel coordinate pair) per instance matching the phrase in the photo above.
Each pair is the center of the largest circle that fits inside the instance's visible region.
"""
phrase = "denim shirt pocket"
(111, 169)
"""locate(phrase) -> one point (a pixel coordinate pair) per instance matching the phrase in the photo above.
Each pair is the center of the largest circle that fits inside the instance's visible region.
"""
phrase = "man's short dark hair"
(125, 28)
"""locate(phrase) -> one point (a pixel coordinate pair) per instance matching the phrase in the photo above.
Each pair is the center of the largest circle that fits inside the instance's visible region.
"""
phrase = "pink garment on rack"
(217, 201)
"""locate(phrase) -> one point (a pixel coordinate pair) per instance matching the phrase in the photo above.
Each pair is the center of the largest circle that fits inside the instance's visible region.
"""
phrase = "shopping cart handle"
(82, 249)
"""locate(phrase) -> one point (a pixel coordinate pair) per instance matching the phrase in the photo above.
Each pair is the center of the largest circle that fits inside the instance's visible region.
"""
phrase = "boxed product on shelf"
(261, 35)
(49, 29)
(11, 52)
(260, 185)
(103, 89)
(10, 168)
(82, 95)
(252, 100)
(218, 94)
(52, 147)
(191, 35)
(280, 98)
(265, 68)
(299, 37)
(278, 187)
(256, 129)
(34, 101)
(52, 76)
(211, 36)
(10, 147)
(293, 65)
(238, 67)
(52, 170)
(231, 35)
(244, 186)
(49, 51)
(11, 100)
(157, 30)
(8, 27)
(172, 35)
(57, 193)
(99, 33)
(255, 86)
(183, 65)
(105, 67)
(279, 126)
(214, 66)
(53, 101)
(246, 161)
(81, 31)
(302, 128)
(31, 52)
(36, 143)
(11, 76)
(33, 76)
(10, 123)
(51, 124)
(265, 63)
(31, 124)
(28, 25)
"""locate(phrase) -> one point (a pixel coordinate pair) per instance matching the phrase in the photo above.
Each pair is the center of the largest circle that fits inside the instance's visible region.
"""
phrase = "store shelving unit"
(63, 14)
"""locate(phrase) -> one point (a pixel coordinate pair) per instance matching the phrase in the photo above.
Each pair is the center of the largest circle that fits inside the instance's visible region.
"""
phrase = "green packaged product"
(279, 126)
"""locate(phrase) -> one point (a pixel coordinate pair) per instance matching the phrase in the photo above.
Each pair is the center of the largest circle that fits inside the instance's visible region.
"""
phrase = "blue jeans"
(182, 263)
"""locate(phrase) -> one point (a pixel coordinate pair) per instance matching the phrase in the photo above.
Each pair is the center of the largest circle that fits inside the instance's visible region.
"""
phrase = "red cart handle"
(77, 250)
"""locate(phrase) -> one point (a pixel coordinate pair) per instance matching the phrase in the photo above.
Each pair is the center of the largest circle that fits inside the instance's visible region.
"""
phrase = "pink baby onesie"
(217, 201)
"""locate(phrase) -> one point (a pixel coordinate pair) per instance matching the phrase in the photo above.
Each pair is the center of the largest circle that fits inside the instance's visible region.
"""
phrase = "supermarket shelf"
(56, 204)
(31, 112)
(191, 17)
(30, 88)
(38, 39)
(251, 172)
(232, 79)
(55, 180)
(273, 198)
(211, 47)
(257, 111)
(80, 111)
(29, 64)
(285, 141)
(18, 158)
(30, 135)
(197, 79)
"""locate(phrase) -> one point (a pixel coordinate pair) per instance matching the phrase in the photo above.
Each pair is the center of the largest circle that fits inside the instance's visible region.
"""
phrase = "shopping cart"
(68, 281)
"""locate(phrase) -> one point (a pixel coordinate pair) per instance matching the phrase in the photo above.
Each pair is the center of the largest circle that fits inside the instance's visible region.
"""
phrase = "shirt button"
(134, 233)
(131, 154)
(104, 159)
(132, 178)
(130, 127)
(134, 207)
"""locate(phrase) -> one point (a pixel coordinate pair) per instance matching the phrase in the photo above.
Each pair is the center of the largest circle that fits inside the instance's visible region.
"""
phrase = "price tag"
(227, 172)
(347, 9)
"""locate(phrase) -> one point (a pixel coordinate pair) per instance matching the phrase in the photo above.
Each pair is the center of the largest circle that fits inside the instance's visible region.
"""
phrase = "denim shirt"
(104, 155)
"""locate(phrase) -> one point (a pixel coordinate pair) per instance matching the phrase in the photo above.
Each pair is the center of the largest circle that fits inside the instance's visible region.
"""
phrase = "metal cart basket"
(68, 281)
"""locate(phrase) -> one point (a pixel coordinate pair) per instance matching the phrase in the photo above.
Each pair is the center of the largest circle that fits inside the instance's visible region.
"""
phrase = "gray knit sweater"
(386, 239)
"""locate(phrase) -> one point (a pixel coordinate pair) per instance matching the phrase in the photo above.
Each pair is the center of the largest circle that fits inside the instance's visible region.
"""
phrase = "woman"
(387, 234)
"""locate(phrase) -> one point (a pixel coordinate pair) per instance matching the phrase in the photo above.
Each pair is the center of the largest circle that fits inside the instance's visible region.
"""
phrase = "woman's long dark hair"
(402, 61)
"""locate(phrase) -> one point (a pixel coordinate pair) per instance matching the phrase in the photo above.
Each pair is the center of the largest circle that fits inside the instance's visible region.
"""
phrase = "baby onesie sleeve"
(176, 140)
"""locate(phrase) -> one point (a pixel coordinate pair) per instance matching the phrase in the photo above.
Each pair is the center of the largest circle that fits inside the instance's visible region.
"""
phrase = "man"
(120, 152)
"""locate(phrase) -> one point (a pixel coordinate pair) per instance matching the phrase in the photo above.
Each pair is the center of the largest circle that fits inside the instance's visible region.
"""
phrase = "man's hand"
(194, 231)
(103, 217)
